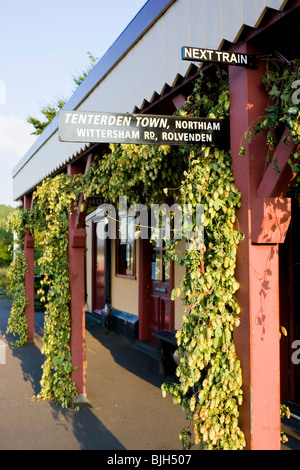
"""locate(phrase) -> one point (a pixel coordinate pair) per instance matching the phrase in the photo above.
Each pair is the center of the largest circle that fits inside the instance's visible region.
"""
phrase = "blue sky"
(42, 46)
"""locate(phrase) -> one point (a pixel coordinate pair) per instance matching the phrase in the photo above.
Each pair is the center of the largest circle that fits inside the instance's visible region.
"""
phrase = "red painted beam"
(270, 219)
(77, 306)
(276, 183)
(77, 238)
(257, 338)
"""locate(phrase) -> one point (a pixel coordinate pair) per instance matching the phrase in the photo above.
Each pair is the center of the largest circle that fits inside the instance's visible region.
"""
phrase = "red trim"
(257, 272)
(270, 219)
(276, 183)
(77, 309)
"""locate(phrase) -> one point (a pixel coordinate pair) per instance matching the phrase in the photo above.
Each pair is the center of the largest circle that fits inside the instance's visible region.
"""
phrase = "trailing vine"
(139, 172)
(17, 323)
(282, 83)
(53, 201)
(209, 372)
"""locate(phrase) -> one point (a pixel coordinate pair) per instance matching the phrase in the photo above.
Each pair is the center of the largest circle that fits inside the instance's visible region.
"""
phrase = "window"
(160, 268)
(125, 246)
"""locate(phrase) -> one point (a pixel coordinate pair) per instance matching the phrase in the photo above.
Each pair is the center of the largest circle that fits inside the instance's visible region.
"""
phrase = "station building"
(126, 281)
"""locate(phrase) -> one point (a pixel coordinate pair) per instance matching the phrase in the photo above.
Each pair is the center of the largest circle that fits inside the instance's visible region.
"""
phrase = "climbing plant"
(209, 372)
(282, 83)
(139, 172)
(53, 200)
(17, 324)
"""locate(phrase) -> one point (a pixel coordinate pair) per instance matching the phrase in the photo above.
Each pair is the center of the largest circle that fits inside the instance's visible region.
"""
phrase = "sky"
(43, 45)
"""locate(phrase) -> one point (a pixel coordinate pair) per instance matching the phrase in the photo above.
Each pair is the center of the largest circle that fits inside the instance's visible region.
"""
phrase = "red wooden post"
(29, 276)
(257, 338)
(77, 241)
(77, 303)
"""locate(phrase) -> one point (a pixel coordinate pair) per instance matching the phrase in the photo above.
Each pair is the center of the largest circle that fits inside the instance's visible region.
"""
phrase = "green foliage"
(139, 172)
(280, 114)
(49, 112)
(78, 79)
(6, 236)
(17, 324)
(53, 201)
(209, 372)
(5, 212)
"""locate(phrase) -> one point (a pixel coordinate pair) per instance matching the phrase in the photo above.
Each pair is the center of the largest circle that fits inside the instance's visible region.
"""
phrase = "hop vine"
(17, 323)
(209, 387)
(209, 371)
(282, 112)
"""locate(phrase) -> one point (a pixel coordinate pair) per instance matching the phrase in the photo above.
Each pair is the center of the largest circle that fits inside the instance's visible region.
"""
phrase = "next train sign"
(94, 127)
(208, 55)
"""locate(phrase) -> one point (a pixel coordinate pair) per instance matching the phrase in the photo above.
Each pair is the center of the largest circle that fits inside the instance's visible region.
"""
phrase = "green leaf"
(293, 110)
(218, 332)
(217, 204)
(275, 165)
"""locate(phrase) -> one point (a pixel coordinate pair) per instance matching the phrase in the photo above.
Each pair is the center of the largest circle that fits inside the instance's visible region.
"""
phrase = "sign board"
(229, 58)
(93, 127)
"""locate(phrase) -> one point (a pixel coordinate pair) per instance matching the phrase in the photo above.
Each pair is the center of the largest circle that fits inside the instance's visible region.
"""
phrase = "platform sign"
(93, 127)
(197, 54)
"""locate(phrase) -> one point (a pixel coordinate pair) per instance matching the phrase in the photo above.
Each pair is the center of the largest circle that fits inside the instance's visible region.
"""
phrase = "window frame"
(122, 242)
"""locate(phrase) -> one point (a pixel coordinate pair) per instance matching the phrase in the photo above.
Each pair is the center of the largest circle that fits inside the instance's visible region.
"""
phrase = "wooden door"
(156, 284)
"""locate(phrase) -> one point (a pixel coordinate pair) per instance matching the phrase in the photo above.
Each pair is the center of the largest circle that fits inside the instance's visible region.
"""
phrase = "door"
(98, 266)
(156, 310)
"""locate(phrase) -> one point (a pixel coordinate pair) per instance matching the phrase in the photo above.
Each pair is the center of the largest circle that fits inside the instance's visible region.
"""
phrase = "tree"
(6, 236)
(79, 78)
(50, 111)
